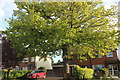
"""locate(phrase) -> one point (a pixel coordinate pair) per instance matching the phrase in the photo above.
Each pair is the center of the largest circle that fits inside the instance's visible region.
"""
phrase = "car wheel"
(37, 77)
(44, 76)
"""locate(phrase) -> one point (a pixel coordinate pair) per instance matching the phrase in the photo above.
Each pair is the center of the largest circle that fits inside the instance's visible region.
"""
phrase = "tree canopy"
(45, 27)
(76, 28)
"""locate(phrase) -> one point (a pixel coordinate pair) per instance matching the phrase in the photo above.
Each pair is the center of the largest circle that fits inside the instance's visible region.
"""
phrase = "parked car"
(37, 74)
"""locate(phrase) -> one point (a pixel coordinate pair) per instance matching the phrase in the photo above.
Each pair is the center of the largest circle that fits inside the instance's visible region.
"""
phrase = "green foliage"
(0, 73)
(5, 70)
(15, 73)
(106, 72)
(83, 73)
(44, 28)
(42, 68)
(103, 78)
(59, 61)
(106, 78)
(102, 74)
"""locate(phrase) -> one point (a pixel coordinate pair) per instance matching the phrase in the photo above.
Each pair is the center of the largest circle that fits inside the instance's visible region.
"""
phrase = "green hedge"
(15, 73)
(83, 73)
(42, 68)
(0, 73)
(106, 72)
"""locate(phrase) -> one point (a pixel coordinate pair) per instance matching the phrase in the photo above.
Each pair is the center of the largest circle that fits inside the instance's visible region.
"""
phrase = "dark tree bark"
(66, 69)
(8, 73)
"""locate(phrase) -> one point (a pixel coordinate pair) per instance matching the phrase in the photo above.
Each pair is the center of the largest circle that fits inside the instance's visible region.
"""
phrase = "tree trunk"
(66, 69)
(89, 58)
(8, 74)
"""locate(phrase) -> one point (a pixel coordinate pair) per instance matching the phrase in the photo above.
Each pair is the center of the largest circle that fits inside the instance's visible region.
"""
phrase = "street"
(47, 78)
(52, 78)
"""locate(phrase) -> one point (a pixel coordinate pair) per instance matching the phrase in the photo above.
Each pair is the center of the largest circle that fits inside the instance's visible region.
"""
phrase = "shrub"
(101, 73)
(106, 72)
(83, 73)
(15, 73)
(42, 68)
(5, 70)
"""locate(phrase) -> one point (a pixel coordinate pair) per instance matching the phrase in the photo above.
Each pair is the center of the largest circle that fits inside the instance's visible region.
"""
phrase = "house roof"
(113, 61)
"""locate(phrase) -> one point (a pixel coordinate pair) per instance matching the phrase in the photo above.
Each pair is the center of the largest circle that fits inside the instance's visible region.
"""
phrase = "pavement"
(115, 78)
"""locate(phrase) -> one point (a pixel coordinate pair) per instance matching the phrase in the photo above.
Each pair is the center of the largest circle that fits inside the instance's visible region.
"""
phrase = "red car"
(36, 74)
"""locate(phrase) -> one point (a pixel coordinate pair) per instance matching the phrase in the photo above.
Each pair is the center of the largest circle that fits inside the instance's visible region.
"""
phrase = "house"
(118, 52)
(58, 69)
(28, 63)
(31, 63)
(109, 61)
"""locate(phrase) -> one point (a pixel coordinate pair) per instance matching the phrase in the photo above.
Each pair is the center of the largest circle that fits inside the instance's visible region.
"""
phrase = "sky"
(7, 7)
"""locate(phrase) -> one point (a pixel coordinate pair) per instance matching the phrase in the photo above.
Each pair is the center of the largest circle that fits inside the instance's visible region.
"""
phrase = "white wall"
(118, 52)
(41, 63)
(24, 68)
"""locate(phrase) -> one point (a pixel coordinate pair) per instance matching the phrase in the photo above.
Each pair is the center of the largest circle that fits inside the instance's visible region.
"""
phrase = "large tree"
(76, 28)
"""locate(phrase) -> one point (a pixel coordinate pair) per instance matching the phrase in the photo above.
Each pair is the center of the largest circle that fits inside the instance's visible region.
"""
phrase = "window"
(84, 66)
(37, 71)
(110, 54)
(113, 69)
(24, 68)
(32, 59)
(20, 68)
(0, 42)
(98, 67)
(25, 60)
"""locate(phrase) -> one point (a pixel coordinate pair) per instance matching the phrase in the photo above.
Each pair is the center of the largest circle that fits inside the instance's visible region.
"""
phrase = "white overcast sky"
(7, 7)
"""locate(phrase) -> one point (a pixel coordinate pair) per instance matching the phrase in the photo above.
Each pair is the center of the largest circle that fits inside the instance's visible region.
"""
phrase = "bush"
(101, 73)
(42, 68)
(83, 73)
(106, 72)
(15, 73)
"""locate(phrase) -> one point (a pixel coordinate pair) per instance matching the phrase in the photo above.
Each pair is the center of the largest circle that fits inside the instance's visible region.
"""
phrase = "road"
(47, 78)
(52, 78)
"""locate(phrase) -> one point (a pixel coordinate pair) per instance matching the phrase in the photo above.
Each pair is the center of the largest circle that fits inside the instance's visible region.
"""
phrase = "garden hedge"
(42, 68)
(15, 73)
(83, 73)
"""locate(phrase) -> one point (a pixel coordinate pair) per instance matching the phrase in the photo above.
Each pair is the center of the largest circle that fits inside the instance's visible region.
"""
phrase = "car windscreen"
(36, 71)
